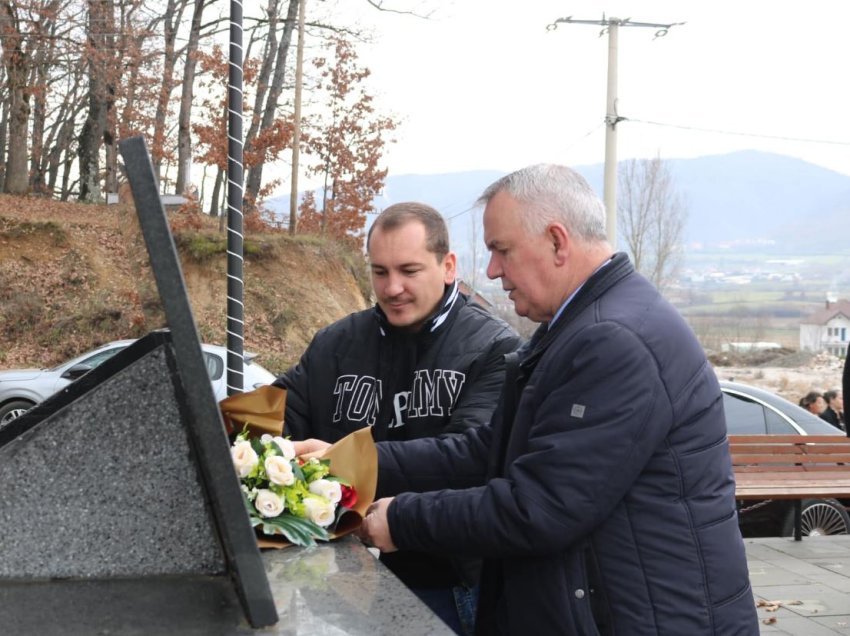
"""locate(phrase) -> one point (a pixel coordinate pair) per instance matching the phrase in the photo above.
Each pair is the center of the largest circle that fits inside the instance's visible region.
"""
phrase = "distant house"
(828, 329)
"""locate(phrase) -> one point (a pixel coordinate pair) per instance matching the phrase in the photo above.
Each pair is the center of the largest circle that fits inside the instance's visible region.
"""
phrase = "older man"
(601, 495)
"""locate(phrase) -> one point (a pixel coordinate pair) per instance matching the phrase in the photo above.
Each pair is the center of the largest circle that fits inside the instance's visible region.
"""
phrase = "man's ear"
(559, 239)
(450, 268)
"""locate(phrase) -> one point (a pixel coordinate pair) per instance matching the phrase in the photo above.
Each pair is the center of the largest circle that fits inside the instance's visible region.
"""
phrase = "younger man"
(423, 362)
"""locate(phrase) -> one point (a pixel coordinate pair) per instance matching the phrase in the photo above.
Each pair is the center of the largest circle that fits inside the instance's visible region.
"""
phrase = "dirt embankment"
(74, 276)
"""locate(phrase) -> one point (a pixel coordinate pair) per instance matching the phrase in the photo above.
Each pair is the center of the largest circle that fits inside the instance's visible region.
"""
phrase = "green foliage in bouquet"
(285, 495)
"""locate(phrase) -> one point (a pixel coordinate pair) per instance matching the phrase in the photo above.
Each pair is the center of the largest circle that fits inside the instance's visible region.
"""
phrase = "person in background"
(845, 381)
(813, 402)
(601, 494)
(424, 362)
(834, 411)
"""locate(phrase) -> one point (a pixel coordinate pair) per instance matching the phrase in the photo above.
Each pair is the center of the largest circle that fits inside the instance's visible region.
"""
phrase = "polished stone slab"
(334, 588)
(341, 588)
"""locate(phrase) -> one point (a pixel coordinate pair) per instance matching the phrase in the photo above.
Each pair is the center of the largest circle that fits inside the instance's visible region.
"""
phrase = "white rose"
(244, 457)
(319, 511)
(279, 470)
(266, 438)
(268, 504)
(328, 489)
(286, 447)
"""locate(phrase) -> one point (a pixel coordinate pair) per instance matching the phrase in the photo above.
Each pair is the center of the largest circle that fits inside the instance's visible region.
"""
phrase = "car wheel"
(819, 517)
(13, 409)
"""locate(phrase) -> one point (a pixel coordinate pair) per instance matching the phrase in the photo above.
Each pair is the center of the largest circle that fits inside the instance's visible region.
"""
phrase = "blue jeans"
(456, 606)
(466, 601)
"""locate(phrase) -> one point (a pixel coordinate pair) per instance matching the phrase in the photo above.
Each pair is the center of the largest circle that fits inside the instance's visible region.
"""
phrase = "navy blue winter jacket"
(601, 495)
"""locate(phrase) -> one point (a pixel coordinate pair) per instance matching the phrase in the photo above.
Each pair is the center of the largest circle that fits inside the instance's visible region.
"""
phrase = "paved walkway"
(803, 587)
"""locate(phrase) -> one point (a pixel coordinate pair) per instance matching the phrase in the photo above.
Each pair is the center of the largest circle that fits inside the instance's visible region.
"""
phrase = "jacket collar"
(451, 295)
(599, 283)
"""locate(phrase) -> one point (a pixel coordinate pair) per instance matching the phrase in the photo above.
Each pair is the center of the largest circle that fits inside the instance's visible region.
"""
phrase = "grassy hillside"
(73, 276)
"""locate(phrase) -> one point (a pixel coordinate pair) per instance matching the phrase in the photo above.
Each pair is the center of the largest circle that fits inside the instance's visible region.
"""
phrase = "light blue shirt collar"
(571, 296)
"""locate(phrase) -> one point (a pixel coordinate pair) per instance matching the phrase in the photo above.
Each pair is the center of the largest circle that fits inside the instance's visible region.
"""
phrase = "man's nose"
(394, 286)
(494, 270)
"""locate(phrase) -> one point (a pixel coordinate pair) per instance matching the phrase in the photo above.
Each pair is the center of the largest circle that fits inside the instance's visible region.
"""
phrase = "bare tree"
(652, 217)
(18, 40)
(184, 140)
(269, 88)
(100, 54)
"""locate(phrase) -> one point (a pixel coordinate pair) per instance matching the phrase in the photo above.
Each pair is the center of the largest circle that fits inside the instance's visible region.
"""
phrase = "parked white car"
(21, 389)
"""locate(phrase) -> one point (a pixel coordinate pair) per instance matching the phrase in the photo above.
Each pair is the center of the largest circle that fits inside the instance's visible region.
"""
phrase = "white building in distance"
(827, 330)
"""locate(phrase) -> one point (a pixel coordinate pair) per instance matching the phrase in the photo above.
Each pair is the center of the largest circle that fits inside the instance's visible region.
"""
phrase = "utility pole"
(611, 26)
(296, 135)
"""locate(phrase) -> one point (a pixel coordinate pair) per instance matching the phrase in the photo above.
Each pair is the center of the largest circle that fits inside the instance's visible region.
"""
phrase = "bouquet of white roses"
(287, 495)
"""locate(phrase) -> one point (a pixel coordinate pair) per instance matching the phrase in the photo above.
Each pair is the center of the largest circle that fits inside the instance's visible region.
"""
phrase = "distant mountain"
(755, 195)
(734, 198)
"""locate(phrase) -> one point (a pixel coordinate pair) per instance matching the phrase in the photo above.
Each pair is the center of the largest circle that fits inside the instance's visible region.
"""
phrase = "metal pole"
(235, 308)
(296, 136)
(610, 181)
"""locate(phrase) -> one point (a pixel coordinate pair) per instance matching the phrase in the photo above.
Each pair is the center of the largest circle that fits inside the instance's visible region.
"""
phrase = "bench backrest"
(789, 453)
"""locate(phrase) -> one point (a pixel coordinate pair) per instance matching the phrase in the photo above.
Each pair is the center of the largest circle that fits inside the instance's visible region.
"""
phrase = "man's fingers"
(309, 448)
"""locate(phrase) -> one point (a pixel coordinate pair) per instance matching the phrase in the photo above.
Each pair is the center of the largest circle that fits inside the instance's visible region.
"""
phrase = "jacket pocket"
(599, 605)
(581, 589)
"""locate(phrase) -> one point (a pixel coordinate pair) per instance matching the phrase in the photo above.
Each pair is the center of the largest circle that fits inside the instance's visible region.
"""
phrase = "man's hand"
(310, 448)
(375, 529)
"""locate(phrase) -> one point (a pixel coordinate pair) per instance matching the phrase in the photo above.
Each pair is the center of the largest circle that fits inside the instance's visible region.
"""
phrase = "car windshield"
(95, 359)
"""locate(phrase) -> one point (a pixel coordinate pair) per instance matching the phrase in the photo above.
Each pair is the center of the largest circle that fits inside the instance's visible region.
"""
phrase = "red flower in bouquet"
(349, 496)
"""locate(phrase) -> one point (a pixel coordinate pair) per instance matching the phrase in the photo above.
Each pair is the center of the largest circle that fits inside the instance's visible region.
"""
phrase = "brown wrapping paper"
(261, 409)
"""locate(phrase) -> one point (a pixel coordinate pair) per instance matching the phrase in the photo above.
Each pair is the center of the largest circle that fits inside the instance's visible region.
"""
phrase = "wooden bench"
(791, 467)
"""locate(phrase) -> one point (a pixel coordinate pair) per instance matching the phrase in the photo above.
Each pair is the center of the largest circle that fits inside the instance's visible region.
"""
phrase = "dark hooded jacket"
(360, 371)
(446, 378)
(601, 496)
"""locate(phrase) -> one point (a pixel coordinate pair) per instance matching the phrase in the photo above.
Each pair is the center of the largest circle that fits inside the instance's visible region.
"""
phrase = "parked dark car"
(753, 411)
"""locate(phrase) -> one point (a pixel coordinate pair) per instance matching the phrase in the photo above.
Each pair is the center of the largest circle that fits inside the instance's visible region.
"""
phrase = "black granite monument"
(120, 509)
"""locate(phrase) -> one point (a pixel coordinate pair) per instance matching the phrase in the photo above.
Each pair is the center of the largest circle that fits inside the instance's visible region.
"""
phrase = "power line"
(585, 136)
(461, 213)
(739, 133)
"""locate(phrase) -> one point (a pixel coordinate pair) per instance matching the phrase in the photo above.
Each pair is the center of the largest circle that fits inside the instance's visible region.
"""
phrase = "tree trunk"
(216, 193)
(4, 129)
(44, 37)
(255, 172)
(17, 174)
(184, 129)
(273, 12)
(171, 21)
(100, 98)
(16, 60)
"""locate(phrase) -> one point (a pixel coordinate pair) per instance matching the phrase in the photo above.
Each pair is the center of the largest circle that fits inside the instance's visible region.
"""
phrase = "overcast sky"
(482, 84)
